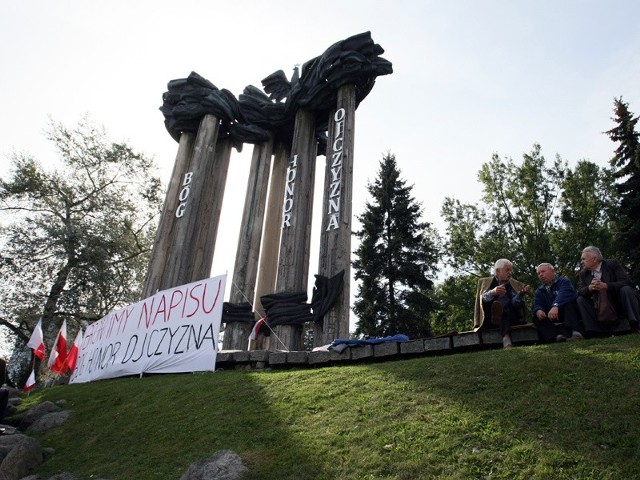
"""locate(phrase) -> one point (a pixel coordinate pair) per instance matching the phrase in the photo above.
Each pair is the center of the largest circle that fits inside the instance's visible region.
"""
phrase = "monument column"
(335, 233)
(293, 261)
(167, 226)
(201, 206)
(236, 336)
(270, 246)
(272, 226)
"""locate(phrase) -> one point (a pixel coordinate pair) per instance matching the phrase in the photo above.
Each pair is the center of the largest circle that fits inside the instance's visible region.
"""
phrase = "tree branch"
(16, 330)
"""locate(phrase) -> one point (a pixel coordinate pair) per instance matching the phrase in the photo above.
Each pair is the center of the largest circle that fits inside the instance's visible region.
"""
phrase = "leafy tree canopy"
(75, 238)
(454, 304)
(531, 212)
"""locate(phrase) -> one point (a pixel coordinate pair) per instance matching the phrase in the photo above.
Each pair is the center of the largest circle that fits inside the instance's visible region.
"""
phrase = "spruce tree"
(626, 167)
(395, 261)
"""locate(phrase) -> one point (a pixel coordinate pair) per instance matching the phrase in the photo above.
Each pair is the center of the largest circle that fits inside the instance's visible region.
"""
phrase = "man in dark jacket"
(555, 301)
(609, 276)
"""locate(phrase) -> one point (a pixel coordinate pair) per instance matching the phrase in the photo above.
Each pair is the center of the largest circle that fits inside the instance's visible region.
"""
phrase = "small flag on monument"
(72, 358)
(31, 381)
(36, 342)
(59, 351)
(256, 328)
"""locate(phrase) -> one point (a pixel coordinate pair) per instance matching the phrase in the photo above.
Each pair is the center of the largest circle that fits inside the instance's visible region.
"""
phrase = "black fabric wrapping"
(189, 99)
(257, 116)
(325, 293)
(287, 308)
(237, 312)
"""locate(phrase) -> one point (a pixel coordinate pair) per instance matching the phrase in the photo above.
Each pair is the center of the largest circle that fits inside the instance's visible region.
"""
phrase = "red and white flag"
(59, 351)
(256, 328)
(72, 357)
(36, 342)
(31, 381)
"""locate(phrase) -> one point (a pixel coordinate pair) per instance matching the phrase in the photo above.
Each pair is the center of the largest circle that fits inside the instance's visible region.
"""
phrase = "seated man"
(500, 301)
(609, 276)
(555, 301)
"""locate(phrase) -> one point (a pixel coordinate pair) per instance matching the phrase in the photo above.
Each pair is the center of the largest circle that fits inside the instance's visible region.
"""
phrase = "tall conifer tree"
(626, 165)
(395, 261)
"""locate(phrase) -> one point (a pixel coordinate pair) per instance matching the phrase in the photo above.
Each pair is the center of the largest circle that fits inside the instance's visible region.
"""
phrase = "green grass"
(562, 411)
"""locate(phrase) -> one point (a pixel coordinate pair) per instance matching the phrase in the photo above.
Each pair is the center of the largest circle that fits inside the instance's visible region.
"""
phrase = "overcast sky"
(471, 78)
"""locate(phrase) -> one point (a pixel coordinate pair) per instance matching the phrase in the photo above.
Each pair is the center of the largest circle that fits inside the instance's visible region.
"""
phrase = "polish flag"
(31, 381)
(59, 351)
(37, 341)
(72, 358)
(256, 328)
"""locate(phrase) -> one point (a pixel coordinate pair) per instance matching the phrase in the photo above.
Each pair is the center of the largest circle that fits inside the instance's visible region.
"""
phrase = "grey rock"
(10, 410)
(223, 465)
(36, 412)
(48, 451)
(24, 456)
(48, 421)
(63, 476)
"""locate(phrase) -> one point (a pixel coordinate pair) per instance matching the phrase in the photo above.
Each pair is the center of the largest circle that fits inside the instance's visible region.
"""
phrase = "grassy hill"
(561, 411)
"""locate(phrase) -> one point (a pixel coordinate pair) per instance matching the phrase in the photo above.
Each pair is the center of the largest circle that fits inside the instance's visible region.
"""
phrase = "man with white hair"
(605, 283)
(500, 301)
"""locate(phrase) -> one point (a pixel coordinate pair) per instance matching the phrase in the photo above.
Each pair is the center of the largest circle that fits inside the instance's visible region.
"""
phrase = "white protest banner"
(174, 331)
